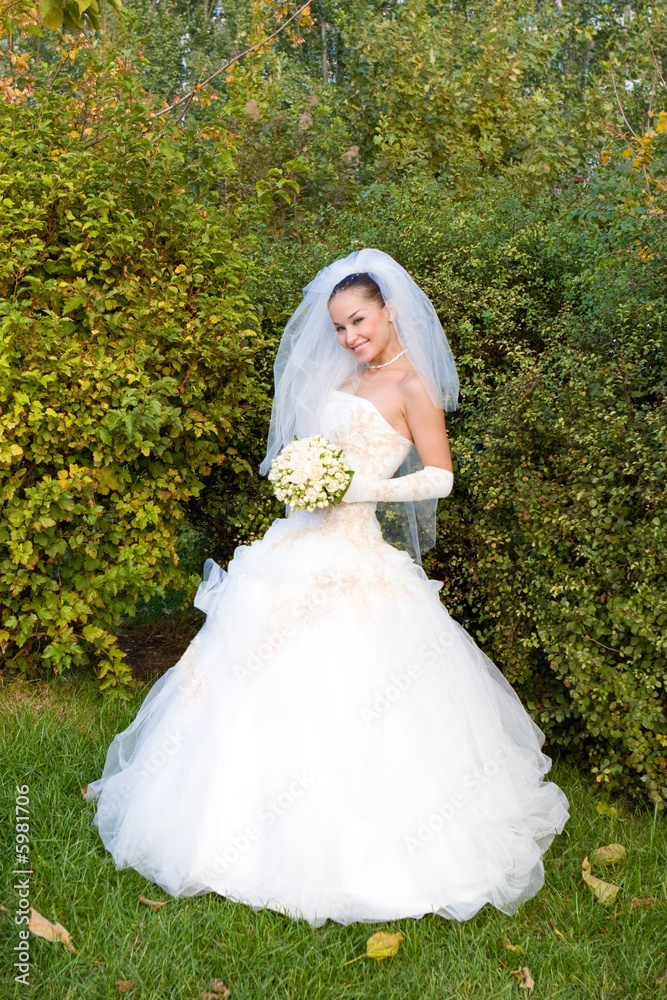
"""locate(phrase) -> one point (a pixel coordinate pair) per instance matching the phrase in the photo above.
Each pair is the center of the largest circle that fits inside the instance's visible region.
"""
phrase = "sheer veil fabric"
(311, 364)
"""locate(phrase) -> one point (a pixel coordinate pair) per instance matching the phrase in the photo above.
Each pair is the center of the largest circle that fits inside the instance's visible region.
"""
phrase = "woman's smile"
(359, 347)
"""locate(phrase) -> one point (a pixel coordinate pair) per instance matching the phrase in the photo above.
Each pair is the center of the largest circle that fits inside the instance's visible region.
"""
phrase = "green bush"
(127, 337)
(551, 546)
(558, 531)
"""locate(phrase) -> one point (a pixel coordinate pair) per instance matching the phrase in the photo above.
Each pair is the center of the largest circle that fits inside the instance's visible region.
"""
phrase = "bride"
(332, 744)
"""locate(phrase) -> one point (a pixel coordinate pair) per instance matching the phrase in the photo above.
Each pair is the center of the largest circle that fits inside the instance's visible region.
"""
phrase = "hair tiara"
(347, 280)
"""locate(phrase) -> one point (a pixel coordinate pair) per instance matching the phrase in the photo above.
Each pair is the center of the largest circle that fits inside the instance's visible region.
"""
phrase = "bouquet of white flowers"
(309, 473)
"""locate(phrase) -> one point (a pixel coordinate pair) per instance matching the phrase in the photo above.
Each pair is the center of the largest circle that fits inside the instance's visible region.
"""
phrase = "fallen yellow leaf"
(43, 928)
(526, 981)
(604, 892)
(382, 945)
(5, 912)
(511, 947)
(125, 985)
(609, 855)
(83, 789)
(154, 904)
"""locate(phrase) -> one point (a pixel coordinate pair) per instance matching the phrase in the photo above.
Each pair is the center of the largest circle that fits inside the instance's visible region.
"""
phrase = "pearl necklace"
(388, 362)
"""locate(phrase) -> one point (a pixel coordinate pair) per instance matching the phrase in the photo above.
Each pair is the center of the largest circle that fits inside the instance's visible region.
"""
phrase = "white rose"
(299, 477)
(315, 470)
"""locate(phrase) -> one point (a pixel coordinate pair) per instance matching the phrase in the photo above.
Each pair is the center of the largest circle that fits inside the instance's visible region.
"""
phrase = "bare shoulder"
(415, 396)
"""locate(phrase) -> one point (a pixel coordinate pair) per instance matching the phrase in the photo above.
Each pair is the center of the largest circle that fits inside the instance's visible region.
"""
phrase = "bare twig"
(656, 62)
(650, 103)
(188, 97)
(613, 80)
(150, 16)
(185, 107)
(53, 78)
(610, 648)
(94, 142)
(188, 103)
(10, 5)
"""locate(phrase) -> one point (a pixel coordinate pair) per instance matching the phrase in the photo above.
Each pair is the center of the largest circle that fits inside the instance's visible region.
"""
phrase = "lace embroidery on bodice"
(371, 445)
(373, 448)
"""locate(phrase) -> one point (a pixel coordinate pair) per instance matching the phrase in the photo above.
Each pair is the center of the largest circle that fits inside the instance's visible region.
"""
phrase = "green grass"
(53, 737)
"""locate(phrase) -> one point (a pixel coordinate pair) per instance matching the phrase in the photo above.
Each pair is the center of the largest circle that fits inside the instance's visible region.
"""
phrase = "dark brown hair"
(364, 283)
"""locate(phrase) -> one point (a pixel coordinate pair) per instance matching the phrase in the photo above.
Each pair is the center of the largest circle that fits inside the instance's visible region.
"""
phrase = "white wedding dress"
(332, 744)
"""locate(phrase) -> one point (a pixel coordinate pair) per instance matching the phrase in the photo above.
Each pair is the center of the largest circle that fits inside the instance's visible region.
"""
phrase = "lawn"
(53, 738)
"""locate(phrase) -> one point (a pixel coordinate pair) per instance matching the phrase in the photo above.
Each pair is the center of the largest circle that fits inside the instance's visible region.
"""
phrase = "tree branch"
(150, 16)
(10, 5)
(657, 65)
(618, 99)
(188, 97)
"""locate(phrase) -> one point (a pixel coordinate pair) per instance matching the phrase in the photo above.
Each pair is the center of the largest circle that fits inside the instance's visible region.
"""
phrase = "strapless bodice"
(372, 446)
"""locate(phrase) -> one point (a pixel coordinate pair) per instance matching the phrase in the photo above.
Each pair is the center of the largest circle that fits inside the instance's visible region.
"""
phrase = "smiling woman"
(408, 776)
(365, 328)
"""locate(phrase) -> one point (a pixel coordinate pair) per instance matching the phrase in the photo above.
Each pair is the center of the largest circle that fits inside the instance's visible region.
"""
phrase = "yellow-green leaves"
(380, 945)
(605, 892)
(118, 391)
(74, 15)
(606, 810)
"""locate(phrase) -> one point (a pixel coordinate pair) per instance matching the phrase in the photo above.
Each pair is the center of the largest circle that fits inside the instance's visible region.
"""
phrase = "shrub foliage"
(126, 337)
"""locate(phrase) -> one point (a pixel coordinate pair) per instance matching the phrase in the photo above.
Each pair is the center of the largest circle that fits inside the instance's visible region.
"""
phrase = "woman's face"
(364, 328)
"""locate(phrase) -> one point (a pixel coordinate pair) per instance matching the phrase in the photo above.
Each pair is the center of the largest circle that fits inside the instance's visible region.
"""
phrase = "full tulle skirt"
(332, 744)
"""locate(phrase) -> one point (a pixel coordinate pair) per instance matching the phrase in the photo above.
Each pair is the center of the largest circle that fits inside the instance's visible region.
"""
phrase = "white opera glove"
(430, 483)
